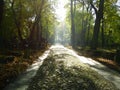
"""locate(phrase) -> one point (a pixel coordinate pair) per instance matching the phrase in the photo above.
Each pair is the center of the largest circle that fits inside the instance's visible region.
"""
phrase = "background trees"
(96, 23)
(23, 22)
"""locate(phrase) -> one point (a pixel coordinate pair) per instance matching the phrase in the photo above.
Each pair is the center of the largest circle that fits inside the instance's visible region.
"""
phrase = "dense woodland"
(95, 23)
(26, 26)
(26, 23)
(32, 24)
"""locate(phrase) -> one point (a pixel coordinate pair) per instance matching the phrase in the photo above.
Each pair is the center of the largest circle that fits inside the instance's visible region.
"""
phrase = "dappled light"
(62, 34)
(60, 10)
(59, 44)
(62, 69)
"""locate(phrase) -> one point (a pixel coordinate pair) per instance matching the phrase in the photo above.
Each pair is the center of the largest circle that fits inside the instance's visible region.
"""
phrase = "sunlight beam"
(60, 10)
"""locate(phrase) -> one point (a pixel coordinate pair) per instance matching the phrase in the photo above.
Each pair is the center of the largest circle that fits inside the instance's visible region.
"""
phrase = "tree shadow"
(55, 75)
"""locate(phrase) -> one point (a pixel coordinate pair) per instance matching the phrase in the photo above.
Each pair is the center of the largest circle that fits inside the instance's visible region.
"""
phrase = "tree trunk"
(1, 10)
(72, 26)
(88, 33)
(99, 15)
(74, 22)
(84, 26)
(89, 10)
(36, 30)
(17, 22)
(102, 33)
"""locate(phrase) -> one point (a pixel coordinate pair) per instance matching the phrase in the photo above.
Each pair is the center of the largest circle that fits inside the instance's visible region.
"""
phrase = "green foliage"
(19, 20)
(85, 20)
(111, 20)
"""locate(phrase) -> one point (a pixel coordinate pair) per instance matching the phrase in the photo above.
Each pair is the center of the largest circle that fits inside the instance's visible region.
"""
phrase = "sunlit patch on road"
(71, 59)
(64, 68)
(101, 69)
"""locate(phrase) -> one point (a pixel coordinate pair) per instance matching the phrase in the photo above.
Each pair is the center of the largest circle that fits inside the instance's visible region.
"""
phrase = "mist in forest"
(62, 34)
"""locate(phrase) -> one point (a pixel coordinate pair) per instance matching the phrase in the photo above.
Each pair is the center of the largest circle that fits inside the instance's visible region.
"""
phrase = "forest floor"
(15, 62)
(64, 69)
(104, 56)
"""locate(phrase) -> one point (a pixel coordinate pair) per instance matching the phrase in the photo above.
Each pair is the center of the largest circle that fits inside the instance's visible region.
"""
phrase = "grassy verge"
(68, 74)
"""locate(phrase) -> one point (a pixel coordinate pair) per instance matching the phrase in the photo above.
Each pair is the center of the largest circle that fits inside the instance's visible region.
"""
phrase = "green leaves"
(21, 17)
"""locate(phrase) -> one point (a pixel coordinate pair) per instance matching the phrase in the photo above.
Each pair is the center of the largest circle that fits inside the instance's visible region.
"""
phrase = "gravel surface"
(63, 71)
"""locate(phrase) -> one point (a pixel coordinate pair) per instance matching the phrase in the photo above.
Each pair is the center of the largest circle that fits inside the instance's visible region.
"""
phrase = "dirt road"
(67, 58)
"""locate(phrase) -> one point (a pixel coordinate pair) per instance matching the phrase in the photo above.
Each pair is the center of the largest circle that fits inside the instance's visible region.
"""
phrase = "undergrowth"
(105, 57)
(10, 70)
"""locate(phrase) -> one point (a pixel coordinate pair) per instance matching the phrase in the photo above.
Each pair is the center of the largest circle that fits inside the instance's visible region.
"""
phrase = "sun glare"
(118, 2)
(60, 10)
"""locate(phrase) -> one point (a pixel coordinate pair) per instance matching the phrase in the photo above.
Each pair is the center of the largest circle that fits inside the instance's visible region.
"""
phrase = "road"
(23, 80)
(103, 70)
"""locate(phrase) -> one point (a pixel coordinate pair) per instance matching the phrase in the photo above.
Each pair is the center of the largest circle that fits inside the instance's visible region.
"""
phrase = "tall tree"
(72, 25)
(17, 16)
(25, 21)
(102, 33)
(1, 10)
(99, 15)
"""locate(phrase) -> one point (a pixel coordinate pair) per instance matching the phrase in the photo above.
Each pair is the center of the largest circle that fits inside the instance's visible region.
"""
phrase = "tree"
(17, 18)
(36, 33)
(72, 25)
(111, 24)
(1, 10)
(23, 22)
(99, 15)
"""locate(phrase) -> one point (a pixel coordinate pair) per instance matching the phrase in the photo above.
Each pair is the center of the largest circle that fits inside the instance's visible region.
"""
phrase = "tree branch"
(95, 9)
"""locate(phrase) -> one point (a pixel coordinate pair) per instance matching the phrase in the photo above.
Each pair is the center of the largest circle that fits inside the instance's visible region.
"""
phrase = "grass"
(67, 73)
